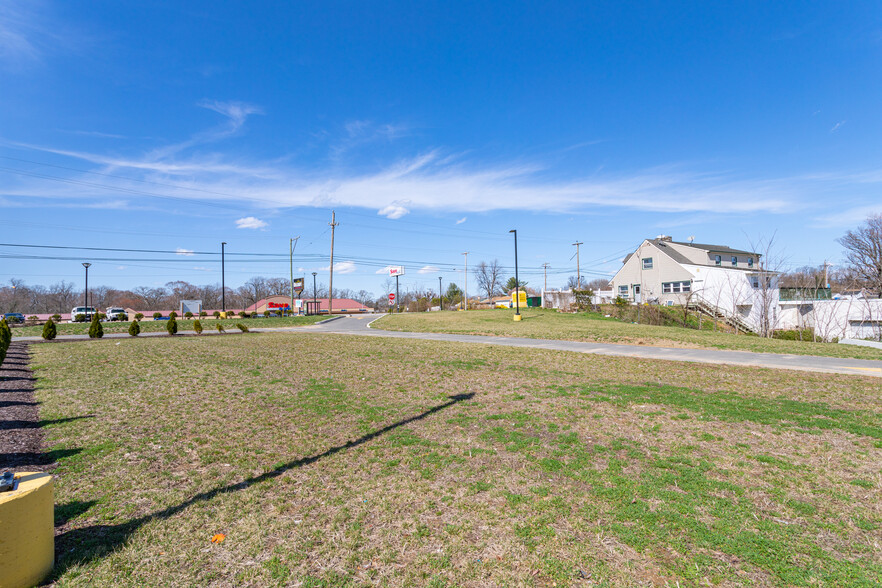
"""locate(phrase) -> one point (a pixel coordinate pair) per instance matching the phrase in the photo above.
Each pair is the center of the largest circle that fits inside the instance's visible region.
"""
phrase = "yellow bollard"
(517, 317)
(27, 531)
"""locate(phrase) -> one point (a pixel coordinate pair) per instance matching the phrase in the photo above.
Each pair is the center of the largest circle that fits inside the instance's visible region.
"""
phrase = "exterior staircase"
(733, 320)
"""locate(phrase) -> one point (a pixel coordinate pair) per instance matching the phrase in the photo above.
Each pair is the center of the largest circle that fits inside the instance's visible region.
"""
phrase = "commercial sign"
(396, 270)
(298, 284)
(276, 305)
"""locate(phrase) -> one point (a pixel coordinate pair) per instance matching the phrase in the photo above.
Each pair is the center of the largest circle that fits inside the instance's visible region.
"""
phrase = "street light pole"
(86, 290)
(314, 309)
(440, 295)
(517, 316)
(223, 282)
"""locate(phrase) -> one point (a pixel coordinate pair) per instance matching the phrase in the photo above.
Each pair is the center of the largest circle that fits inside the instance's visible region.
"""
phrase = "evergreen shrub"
(80, 318)
(171, 326)
(220, 327)
(242, 327)
(135, 329)
(197, 326)
(157, 315)
(139, 316)
(96, 331)
(173, 315)
(188, 315)
(5, 339)
(49, 330)
(216, 314)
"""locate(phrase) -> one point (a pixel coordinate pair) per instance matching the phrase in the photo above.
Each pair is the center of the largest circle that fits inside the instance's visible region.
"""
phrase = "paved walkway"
(360, 325)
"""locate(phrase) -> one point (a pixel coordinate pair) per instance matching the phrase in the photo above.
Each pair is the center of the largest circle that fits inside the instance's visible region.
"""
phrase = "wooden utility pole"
(466, 297)
(291, 247)
(545, 267)
(333, 225)
(578, 269)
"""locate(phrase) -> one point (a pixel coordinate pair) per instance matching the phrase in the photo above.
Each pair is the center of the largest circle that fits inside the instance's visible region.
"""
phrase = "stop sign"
(391, 298)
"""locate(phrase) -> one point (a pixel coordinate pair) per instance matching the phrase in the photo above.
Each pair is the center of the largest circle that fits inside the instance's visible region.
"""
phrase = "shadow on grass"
(20, 424)
(79, 546)
(71, 510)
(43, 459)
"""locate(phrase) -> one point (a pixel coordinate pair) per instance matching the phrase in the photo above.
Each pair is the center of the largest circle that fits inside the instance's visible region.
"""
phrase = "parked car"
(115, 313)
(86, 311)
(14, 317)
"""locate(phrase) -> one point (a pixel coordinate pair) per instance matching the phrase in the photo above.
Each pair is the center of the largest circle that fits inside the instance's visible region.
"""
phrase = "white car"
(86, 311)
(115, 313)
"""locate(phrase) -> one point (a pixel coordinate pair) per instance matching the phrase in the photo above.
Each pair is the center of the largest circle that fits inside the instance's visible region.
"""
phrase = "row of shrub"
(96, 331)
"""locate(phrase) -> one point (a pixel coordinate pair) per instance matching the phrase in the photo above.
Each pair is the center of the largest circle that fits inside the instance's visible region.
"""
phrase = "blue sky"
(432, 129)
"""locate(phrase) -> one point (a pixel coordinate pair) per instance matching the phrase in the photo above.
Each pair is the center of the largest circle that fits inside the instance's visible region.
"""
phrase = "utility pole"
(826, 279)
(440, 295)
(517, 280)
(223, 284)
(578, 268)
(333, 225)
(466, 298)
(545, 267)
(291, 247)
(397, 297)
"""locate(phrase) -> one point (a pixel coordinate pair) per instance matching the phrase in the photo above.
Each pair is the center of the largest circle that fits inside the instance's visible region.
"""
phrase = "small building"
(281, 303)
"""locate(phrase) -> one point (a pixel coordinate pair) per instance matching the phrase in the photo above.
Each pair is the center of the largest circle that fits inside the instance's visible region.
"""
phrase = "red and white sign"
(391, 297)
(396, 270)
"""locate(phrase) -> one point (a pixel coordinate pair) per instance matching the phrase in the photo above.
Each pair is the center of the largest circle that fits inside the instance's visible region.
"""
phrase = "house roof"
(716, 248)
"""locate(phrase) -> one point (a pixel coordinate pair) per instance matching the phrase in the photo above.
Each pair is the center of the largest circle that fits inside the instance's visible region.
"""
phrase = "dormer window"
(718, 260)
(647, 263)
(734, 261)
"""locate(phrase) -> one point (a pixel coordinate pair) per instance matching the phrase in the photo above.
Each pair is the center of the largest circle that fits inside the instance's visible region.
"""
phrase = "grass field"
(151, 326)
(351, 461)
(550, 324)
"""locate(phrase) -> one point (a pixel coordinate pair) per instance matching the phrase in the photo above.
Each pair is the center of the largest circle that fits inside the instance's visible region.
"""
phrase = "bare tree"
(863, 250)
(489, 276)
(766, 293)
(574, 283)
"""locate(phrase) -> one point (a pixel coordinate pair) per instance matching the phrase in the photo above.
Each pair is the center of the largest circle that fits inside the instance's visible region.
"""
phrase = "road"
(360, 325)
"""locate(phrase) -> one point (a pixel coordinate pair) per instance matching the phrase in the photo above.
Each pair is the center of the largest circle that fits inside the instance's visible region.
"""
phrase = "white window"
(734, 260)
(676, 286)
(749, 262)
(666, 287)
(647, 263)
(755, 283)
(623, 290)
(718, 260)
(687, 286)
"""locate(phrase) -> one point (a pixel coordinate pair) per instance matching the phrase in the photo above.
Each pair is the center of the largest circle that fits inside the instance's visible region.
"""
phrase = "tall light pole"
(223, 282)
(440, 295)
(86, 290)
(517, 315)
(314, 309)
(466, 274)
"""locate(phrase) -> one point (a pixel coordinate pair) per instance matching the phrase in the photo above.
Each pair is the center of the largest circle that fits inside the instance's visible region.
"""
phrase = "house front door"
(636, 290)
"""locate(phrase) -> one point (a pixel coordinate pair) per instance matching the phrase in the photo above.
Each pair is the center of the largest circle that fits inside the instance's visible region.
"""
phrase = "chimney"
(667, 238)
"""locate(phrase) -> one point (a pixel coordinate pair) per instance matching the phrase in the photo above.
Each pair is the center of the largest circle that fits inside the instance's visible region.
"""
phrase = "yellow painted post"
(27, 532)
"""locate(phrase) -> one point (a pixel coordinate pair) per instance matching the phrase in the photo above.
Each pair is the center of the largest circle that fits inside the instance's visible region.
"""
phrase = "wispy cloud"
(18, 33)
(182, 251)
(850, 217)
(343, 267)
(250, 222)
(429, 269)
(433, 181)
(384, 270)
(393, 211)
(837, 126)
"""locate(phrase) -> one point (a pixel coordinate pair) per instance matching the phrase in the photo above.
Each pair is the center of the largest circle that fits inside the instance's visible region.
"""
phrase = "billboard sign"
(298, 284)
(194, 306)
(396, 270)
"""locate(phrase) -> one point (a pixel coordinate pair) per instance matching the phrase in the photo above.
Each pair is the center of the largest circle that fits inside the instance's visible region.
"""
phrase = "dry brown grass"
(561, 469)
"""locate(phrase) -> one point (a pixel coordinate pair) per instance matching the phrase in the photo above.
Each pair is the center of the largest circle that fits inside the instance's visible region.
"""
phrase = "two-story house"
(718, 278)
